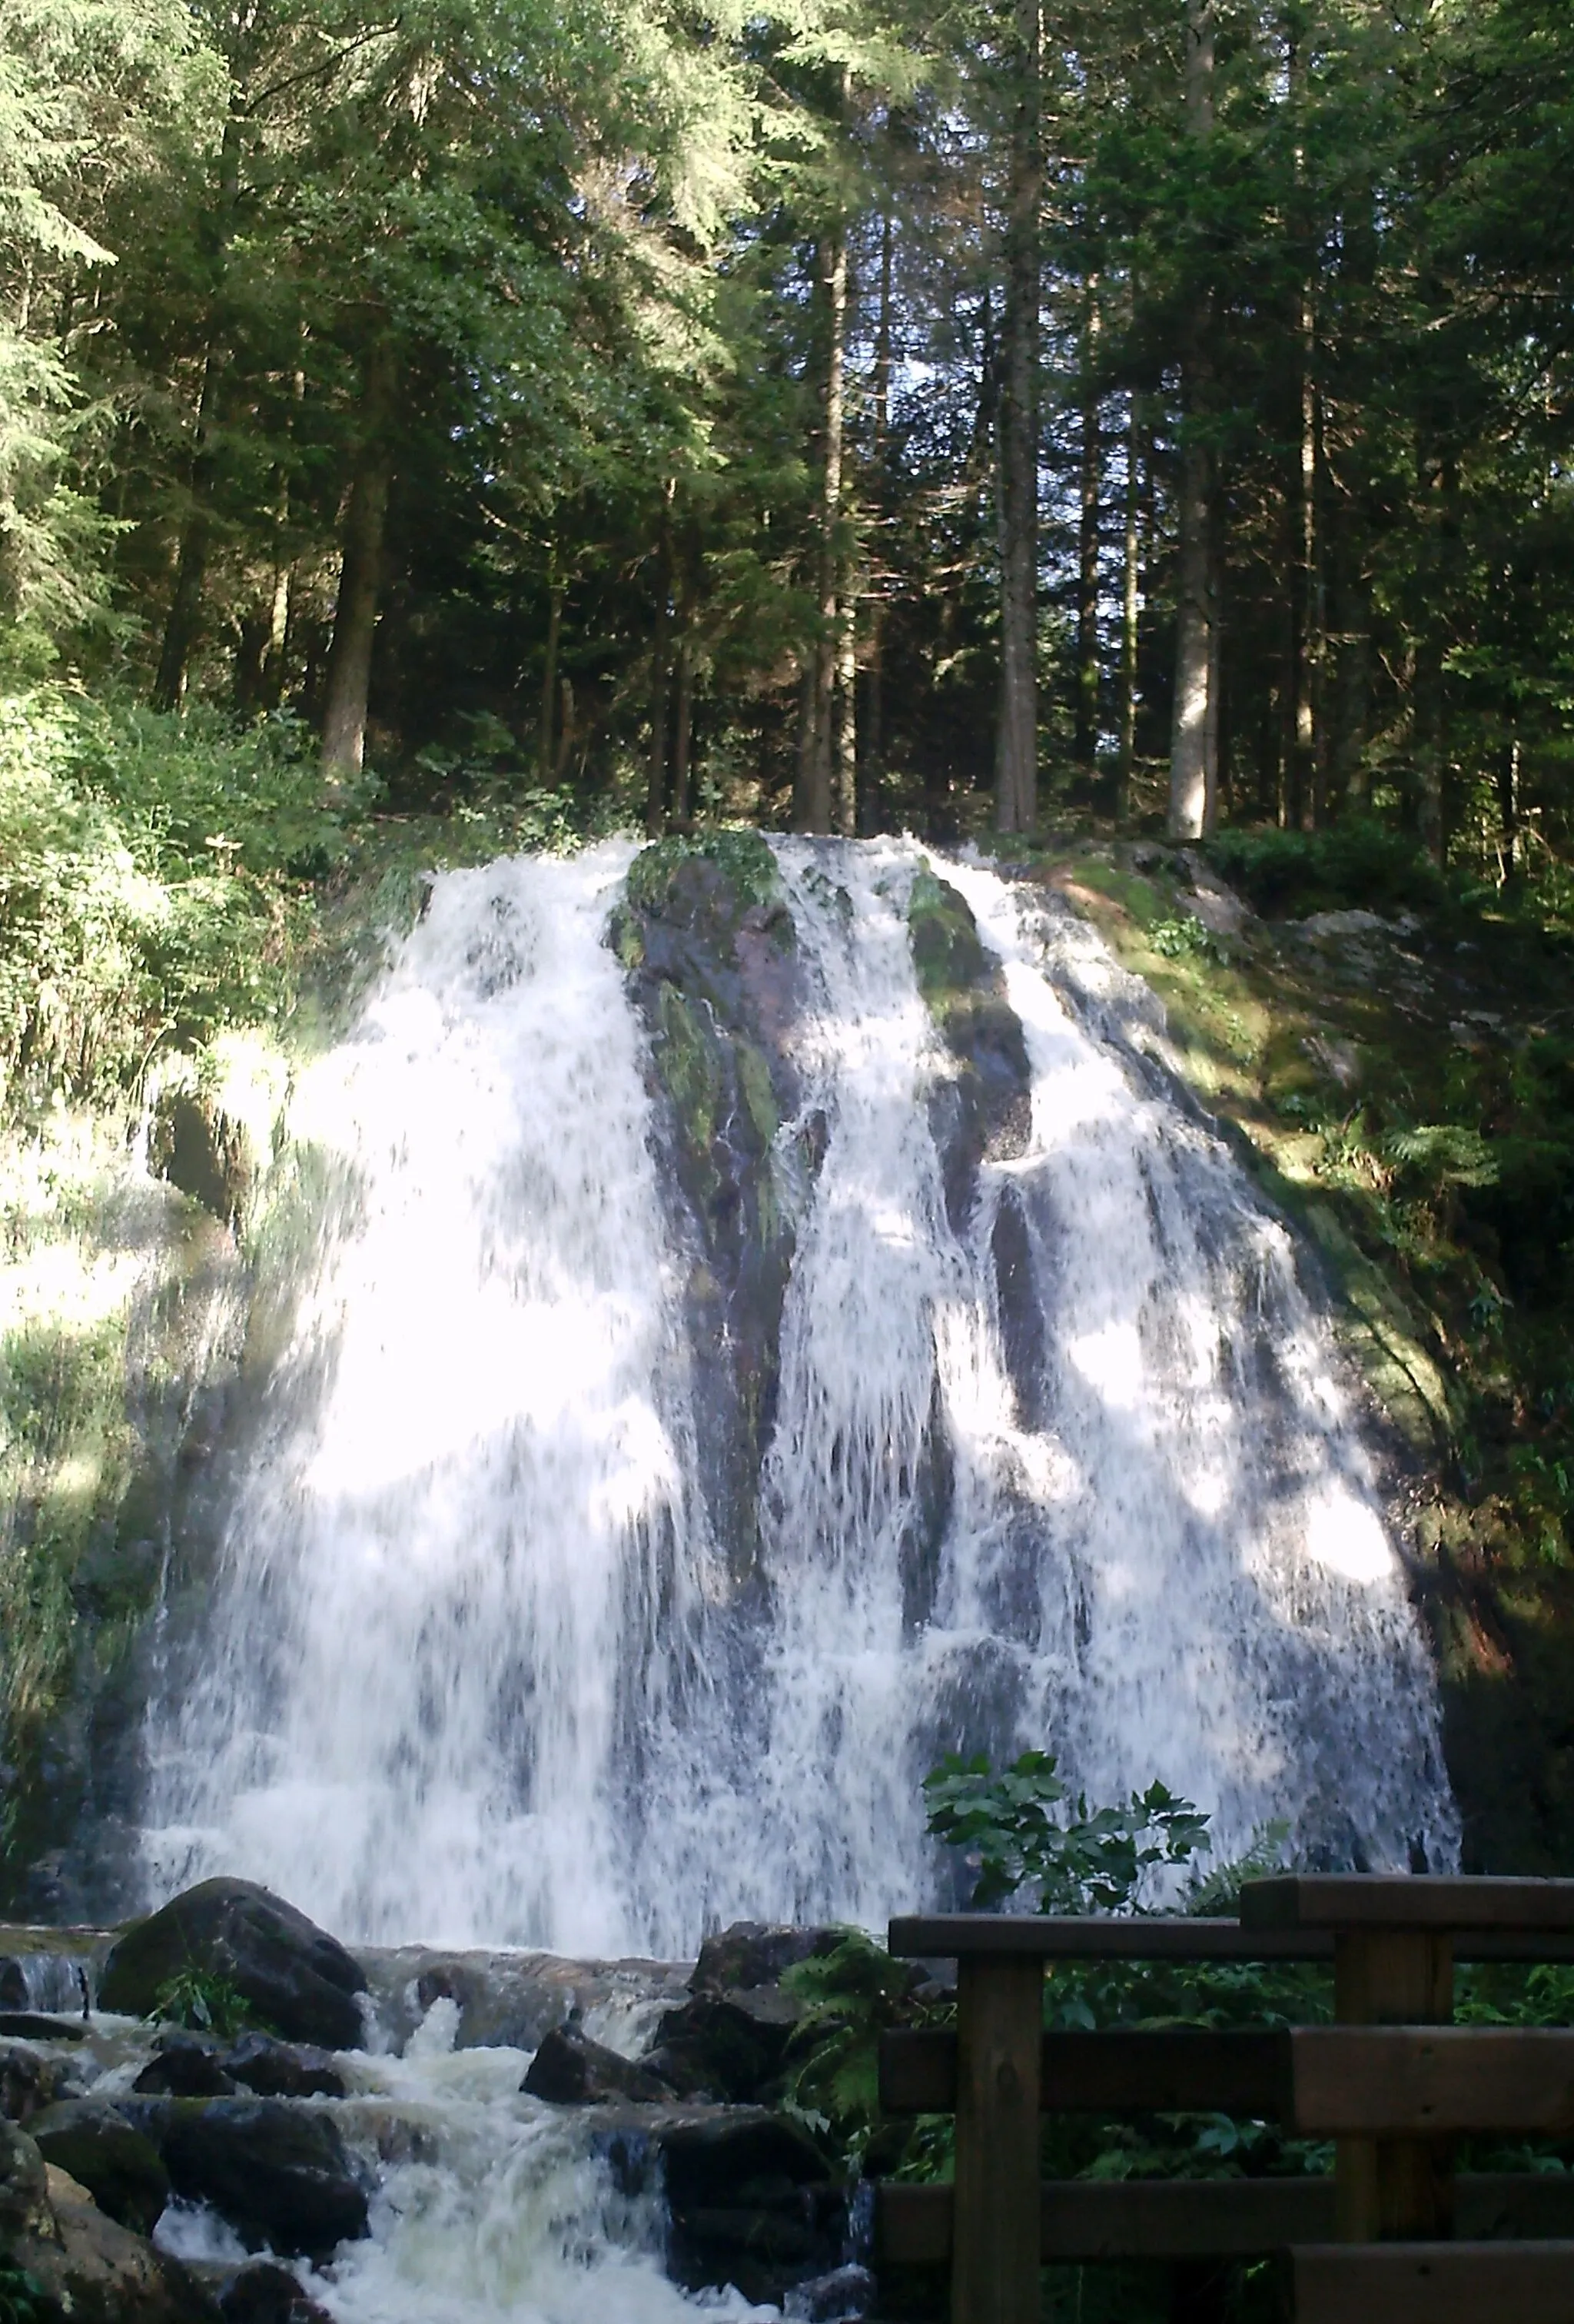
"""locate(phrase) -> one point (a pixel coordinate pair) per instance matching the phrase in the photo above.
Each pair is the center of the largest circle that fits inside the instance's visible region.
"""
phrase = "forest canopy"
(833, 414)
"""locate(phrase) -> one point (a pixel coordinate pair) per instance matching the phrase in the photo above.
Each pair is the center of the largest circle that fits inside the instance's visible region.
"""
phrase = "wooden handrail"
(1090, 2219)
(1393, 2082)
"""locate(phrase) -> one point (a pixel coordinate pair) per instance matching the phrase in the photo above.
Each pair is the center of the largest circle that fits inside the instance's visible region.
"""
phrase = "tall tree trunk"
(1194, 744)
(1017, 748)
(1508, 765)
(1086, 746)
(1307, 788)
(846, 771)
(817, 747)
(349, 669)
(183, 620)
(828, 652)
(546, 718)
(1130, 602)
(660, 675)
(807, 755)
(682, 712)
(874, 735)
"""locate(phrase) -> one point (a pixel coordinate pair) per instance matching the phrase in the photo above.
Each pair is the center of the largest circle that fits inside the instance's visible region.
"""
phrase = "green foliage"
(205, 2003)
(1008, 1826)
(1287, 874)
(1186, 939)
(153, 889)
(1441, 1154)
(852, 1994)
(23, 2299)
(742, 857)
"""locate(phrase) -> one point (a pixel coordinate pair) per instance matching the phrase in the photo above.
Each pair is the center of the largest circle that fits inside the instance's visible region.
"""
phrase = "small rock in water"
(13, 1992)
(571, 2069)
(266, 2293)
(282, 2070)
(94, 2143)
(834, 2299)
(292, 1973)
(27, 2082)
(184, 2066)
(36, 2025)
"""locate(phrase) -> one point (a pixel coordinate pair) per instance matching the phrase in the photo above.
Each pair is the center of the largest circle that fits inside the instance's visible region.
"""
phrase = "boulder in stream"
(755, 1952)
(726, 2045)
(184, 2066)
(752, 2201)
(24, 2202)
(295, 1977)
(278, 2174)
(90, 2268)
(570, 2069)
(282, 2070)
(94, 2143)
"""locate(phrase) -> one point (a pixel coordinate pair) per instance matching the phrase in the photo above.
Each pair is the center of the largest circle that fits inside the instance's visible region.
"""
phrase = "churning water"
(477, 1668)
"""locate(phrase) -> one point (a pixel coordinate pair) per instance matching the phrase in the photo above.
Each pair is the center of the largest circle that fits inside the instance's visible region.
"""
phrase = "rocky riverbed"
(406, 2137)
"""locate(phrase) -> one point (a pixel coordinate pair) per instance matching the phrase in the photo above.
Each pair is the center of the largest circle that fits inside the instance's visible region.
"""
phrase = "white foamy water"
(1074, 1469)
(466, 1543)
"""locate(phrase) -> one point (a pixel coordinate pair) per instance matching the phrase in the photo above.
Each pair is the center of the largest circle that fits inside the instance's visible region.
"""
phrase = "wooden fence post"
(1000, 2027)
(1399, 2189)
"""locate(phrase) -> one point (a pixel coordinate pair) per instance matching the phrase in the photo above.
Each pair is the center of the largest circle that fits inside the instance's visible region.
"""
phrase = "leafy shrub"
(205, 2003)
(1285, 874)
(1009, 1825)
(22, 2296)
(153, 876)
(852, 1994)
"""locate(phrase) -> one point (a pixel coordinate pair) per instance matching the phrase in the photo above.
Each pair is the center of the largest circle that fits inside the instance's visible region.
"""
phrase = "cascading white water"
(472, 1492)
(474, 1674)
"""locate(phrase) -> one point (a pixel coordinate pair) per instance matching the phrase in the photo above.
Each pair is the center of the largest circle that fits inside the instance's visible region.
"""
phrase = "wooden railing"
(1392, 2237)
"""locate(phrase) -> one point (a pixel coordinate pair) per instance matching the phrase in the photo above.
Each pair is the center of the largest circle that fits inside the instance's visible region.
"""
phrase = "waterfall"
(1072, 1463)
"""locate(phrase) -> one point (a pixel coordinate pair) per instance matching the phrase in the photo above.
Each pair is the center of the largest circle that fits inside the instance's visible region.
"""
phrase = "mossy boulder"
(95, 2144)
(299, 1981)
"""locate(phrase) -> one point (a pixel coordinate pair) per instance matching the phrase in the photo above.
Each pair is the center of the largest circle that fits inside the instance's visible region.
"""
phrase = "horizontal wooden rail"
(1454, 1904)
(1121, 2071)
(1090, 2219)
(947, 1936)
(1433, 2283)
(1388, 2081)
(1377, 2082)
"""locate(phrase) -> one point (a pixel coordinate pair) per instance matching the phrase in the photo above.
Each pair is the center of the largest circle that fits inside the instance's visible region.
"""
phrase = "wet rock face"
(94, 2143)
(279, 2174)
(752, 2203)
(265, 2294)
(292, 1973)
(28, 2082)
(983, 1111)
(712, 960)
